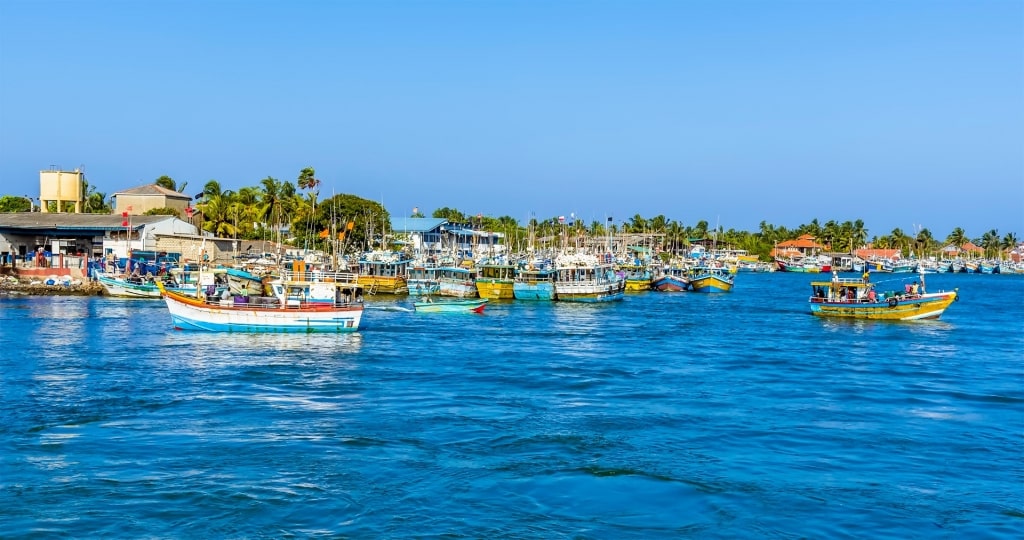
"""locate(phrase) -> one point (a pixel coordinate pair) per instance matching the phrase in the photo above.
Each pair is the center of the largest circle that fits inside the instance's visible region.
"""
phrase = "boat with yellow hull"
(496, 281)
(857, 299)
(708, 279)
(384, 272)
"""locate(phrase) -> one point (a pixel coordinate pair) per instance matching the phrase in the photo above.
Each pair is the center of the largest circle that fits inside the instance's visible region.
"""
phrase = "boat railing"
(319, 276)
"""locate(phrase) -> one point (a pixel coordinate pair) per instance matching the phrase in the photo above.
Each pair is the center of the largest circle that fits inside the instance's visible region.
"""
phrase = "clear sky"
(900, 113)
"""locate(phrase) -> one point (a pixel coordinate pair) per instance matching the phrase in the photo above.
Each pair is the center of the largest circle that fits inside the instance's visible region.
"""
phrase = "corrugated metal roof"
(153, 189)
(48, 221)
(415, 225)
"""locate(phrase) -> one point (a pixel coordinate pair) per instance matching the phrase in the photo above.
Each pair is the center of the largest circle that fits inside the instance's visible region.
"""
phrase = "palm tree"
(168, 183)
(1009, 242)
(924, 243)
(957, 238)
(307, 180)
(990, 241)
(218, 214)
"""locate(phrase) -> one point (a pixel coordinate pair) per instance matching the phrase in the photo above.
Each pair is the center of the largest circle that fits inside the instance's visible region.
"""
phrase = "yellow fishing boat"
(858, 299)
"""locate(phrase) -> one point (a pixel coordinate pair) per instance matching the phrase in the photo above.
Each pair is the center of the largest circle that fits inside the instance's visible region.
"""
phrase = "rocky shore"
(86, 288)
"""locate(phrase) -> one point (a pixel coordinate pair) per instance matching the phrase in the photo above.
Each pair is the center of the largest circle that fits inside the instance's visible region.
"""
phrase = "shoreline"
(84, 289)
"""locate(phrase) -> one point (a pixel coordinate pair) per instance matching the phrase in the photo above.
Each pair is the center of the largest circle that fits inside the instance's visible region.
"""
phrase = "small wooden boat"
(857, 299)
(300, 302)
(430, 305)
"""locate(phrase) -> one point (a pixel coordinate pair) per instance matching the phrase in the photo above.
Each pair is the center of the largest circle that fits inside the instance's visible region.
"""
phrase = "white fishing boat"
(299, 302)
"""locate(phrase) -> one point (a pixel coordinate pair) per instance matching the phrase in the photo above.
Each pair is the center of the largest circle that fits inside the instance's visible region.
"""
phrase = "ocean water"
(661, 416)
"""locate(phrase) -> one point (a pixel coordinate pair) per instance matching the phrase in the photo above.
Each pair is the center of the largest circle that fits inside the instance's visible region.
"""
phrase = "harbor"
(656, 415)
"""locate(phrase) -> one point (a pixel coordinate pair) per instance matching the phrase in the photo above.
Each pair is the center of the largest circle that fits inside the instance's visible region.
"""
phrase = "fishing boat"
(806, 265)
(429, 305)
(707, 279)
(384, 272)
(495, 280)
(858, 299)
(299, 302)
(137, 286)
(638, 277)
(423, 279)
(456, 281)
(534, 282)
(583, 278)
(672, 279)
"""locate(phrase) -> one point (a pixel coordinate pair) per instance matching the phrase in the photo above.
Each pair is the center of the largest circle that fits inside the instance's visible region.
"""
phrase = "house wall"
(140, 204)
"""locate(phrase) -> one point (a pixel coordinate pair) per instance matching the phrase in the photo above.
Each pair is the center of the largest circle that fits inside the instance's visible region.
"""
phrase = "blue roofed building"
(435, 236)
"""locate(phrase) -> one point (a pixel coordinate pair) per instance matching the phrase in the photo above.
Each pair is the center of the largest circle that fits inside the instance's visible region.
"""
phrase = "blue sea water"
(664, 415)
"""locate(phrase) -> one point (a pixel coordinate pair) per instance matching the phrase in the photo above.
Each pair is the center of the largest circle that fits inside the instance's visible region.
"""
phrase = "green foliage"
(163, 212)
(368, 218)
(11, 203)
(451, 214)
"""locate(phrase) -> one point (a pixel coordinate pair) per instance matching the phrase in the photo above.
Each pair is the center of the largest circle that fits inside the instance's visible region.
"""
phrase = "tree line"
(289, 211)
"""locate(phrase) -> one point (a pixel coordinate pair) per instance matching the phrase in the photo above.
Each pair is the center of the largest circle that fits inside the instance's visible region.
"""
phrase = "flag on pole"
(561, 219)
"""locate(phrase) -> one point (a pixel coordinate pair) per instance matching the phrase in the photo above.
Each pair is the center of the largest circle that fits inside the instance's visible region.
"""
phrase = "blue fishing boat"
(535, 282)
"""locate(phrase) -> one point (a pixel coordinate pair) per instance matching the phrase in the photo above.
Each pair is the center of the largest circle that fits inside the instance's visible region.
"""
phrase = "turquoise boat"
(534, 284)
(451, 306)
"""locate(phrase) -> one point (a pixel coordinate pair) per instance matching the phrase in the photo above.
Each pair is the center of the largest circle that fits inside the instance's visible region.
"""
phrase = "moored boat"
(456, 281)
(384, 272)
(707, 279)
(495, 280)
(535, 282)
(300, 302)
(582, 278)
(671, 279)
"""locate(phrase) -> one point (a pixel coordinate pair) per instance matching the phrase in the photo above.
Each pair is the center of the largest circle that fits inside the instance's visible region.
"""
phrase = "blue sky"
(901, 113)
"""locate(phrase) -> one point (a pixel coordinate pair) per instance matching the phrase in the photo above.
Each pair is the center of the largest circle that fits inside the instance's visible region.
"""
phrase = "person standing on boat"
(866, 276)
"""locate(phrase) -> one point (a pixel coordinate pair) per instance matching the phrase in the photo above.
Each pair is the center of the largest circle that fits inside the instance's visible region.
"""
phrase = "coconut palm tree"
(990, 241)
(957, 238)
(1009, 242)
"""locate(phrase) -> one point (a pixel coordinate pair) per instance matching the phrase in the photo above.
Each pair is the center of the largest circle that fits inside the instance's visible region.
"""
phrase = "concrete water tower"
(61, 186)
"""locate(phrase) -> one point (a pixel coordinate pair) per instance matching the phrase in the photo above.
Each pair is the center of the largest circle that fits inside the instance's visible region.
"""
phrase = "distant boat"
(582, 278)
(535, 282)
(456, 281)
(301, 302)
(495, 280)
(384, 272)
(708, 279)
(451, 306)
(423, 280)
(146, 286)
(638, 277)
(672, 279)
(857, 299)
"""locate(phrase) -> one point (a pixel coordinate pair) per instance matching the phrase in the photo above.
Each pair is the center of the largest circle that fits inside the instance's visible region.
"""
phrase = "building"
(803, 246)
(62, 188)
(63, 243)
(139, 200)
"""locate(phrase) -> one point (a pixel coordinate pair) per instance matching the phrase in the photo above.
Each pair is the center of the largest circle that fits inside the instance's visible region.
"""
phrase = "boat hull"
(495, 289)
(638, 284)
(926, 306)
(711, 284)
(227, 316)
(670, 283)
(384, 284)
(452, 306)
(539, 290)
